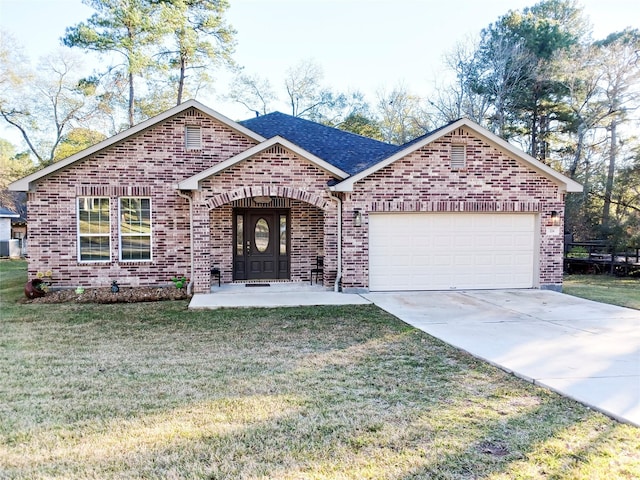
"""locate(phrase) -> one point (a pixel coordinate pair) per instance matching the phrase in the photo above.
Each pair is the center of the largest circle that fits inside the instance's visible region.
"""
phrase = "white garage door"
(441, 251)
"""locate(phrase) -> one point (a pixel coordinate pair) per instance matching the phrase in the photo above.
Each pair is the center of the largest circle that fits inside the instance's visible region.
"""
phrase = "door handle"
(248, 247)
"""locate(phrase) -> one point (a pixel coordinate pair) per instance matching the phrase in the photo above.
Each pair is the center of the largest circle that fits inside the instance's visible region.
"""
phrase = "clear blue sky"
(365, 45)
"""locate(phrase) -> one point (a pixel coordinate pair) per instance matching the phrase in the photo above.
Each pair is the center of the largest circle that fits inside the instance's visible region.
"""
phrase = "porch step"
(265, 297)
(271, 287)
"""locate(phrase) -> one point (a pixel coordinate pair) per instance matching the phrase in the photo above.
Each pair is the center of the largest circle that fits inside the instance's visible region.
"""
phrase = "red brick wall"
(307, 240)
(424, 181)
(148, 164)
(221, 241)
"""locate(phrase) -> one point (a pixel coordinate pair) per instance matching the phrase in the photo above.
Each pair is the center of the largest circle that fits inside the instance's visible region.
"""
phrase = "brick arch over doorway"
(267, 191)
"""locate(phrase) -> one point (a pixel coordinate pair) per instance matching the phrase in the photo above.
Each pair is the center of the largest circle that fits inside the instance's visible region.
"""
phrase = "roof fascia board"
(564, 182)
(226, 120)
(24, 184)
(193, 183)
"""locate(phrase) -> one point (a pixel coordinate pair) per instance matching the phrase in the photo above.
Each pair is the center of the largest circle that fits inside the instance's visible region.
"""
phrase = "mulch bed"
(105, 295)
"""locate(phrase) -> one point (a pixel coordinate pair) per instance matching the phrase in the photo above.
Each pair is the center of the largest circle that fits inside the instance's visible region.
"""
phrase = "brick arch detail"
(267, 191)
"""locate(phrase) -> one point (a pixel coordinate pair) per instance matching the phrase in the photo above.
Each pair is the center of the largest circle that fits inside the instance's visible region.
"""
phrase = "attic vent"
(192, 112)
(193, 138)
(458, 157)
(276, 150)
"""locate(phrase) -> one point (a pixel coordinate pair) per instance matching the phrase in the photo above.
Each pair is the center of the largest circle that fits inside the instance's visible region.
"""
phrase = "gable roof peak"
(460, 120)
(24, 184)
(566, 184)
(193, 182)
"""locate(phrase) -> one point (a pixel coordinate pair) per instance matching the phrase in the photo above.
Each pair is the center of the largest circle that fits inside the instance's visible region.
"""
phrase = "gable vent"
(193, 138)
(458, 157)
(276, 150)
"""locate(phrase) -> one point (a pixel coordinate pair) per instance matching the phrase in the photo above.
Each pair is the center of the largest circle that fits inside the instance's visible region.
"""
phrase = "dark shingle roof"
(349, 152)
(5, 212)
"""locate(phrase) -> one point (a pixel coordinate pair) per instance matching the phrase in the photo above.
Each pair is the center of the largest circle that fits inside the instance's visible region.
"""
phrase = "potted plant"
(35, 288)
(39, 286)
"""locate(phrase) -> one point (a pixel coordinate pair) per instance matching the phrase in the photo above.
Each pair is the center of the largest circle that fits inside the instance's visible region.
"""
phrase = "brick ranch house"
(190, 190)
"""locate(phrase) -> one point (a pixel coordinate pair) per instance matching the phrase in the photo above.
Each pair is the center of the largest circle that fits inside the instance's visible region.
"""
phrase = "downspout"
(336, 286)
(190, 285)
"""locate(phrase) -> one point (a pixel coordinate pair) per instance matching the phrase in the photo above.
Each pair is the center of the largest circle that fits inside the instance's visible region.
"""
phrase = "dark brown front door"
(261, 244)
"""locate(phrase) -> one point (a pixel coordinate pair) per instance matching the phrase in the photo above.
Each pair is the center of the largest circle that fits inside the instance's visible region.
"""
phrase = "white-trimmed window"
(193, 137)
(135, 229)
(94, 229)
(458, 157)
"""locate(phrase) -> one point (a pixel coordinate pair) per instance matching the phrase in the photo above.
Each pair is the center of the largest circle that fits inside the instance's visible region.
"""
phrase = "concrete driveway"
(584, 350)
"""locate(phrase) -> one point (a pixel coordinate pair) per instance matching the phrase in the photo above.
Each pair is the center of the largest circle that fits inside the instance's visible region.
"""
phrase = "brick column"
(330, 244)
(201, 249)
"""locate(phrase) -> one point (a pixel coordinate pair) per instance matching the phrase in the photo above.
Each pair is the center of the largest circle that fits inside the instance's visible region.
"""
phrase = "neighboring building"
(19, 233)
(6, 216)
(7, 248)
(189, 190)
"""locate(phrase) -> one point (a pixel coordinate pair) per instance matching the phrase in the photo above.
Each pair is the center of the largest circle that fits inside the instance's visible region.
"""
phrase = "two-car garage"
(443, 251)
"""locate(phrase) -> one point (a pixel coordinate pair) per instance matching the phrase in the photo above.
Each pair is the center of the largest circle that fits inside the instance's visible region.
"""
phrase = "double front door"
(261, 244)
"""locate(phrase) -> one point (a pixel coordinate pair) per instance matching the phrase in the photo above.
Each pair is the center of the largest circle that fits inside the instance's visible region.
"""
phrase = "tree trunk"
(181, 79)
(578, 154)
(543, 144)
(608, 189)
(131, 100)
(534, 132)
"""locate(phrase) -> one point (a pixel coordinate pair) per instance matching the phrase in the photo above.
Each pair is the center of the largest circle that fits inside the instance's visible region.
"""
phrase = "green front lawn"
(622, 291)
(157, 391)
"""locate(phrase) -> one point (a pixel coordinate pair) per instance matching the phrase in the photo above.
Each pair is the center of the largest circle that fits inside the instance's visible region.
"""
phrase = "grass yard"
(623, 291)
(155, 391)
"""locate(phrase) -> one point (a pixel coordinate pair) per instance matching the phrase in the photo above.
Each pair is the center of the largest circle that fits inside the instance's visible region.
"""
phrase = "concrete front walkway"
(286, 294)
(584, 350)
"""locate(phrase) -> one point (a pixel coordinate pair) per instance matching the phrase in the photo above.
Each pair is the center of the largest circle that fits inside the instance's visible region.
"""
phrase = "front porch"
(272, 295)
(267, 238)
(265, 213)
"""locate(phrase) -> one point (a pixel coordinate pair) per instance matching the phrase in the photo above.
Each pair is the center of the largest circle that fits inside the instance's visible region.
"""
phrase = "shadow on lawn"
(156, 391)
(387, 402)
(286, 437)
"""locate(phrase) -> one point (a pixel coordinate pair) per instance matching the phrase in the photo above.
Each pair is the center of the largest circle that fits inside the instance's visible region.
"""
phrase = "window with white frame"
(94, 229)
(135, 229)
(193, 137)
(458, 157)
